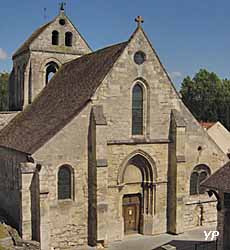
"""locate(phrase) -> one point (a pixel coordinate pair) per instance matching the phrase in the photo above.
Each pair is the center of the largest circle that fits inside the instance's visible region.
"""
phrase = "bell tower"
(41, 56)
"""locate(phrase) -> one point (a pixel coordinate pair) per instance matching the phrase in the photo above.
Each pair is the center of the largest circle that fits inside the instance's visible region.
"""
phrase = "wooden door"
(131, 213)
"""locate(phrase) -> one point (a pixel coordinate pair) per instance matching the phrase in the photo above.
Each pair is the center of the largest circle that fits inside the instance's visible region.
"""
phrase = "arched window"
(64, 183)
(68, 39)
(55, 37)
(51, 69)
(199, 174)
(137, 110)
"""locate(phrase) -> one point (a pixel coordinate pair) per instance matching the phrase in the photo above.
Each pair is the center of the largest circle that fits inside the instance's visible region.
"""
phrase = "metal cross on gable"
(139, 20)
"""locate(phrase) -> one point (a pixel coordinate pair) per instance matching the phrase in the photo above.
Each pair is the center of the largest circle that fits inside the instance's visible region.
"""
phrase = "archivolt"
(144, 162)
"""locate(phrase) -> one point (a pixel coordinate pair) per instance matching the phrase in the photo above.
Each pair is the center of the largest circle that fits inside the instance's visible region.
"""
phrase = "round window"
(139, 57)
(62, 21)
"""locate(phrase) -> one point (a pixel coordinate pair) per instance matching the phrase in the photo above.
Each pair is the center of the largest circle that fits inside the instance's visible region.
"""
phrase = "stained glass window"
(137, 110)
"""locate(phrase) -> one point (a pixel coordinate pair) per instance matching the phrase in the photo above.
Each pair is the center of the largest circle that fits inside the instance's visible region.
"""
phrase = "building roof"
(221, 136)
(207, 125)
(26, 45)
(60, 101)
(220, 180)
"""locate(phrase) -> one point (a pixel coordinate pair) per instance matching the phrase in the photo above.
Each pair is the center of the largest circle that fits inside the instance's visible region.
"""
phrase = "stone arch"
(51, 70)
(138, 191)
(48, 60)
(143, 81)
(149, 171)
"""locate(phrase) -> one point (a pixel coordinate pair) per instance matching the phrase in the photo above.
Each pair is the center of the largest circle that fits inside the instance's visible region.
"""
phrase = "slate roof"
(60, 101)
(220, 180)
(26, 45)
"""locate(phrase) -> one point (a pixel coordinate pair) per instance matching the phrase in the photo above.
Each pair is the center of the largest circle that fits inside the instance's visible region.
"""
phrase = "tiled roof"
(60, 101)
(220, 180)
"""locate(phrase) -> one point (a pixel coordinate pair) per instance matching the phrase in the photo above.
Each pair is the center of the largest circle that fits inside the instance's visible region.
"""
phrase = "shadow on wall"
(5, 218)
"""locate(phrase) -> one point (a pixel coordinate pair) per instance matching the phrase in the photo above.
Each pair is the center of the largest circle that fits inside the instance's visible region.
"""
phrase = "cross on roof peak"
(139, 20)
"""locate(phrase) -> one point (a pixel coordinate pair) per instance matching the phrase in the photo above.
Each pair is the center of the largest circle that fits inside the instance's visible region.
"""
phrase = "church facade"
(102, 149)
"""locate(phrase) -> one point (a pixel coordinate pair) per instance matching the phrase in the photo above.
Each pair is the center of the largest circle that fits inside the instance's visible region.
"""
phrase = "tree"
(208, 97)
(4, 77)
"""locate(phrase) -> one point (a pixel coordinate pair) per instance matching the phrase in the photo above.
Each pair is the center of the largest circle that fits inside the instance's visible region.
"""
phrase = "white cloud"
(3, 54)
(176, 74)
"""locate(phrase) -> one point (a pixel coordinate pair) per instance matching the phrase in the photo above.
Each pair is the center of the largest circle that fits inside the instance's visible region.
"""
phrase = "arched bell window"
(55, 37)
(199, 174)
(137, 110)
(65, 183)
(68, 39)
(51, 69)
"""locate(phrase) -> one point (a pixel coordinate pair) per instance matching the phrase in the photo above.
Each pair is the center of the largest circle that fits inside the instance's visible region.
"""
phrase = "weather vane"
(62, 6)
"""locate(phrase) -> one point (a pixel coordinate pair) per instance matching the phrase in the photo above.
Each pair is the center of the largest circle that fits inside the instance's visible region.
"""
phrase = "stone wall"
(160, 97)
(64, 223)
(117, 155)
(10, 185)
(201, 213)
(28, 76)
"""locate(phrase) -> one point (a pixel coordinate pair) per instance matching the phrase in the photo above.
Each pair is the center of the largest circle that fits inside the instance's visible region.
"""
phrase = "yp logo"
(211, 234)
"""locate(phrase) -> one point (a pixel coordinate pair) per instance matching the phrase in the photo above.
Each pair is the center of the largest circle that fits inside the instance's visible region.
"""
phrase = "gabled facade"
(41, 56)
(114, 151)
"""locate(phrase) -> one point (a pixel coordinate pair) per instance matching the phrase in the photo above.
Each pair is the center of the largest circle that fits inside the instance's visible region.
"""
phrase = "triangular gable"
(28, 44)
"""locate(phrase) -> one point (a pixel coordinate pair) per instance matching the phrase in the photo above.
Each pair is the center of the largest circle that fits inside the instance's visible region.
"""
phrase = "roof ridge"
(67, 93)
(95, 52)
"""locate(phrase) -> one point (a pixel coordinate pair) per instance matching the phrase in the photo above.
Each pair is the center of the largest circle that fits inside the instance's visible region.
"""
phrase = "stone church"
(99, 144)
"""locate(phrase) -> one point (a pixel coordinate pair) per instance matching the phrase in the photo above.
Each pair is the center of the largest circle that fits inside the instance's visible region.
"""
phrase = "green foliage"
(208, 97)
(4, 77)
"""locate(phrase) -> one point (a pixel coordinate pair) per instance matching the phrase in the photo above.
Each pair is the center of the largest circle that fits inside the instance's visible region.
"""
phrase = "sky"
(187, 35)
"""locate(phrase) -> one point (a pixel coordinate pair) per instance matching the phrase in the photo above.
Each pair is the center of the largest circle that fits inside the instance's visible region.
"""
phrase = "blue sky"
(188, 35)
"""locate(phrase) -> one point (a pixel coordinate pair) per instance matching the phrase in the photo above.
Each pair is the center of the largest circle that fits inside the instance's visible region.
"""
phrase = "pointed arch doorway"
(136, 178)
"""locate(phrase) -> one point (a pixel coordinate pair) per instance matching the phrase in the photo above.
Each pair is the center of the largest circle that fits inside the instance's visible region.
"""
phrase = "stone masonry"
(119, 182)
